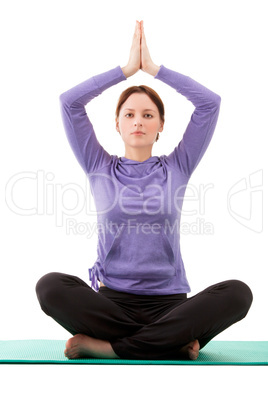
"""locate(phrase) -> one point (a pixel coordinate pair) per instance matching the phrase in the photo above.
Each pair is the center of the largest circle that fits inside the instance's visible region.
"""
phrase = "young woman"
(141, 309)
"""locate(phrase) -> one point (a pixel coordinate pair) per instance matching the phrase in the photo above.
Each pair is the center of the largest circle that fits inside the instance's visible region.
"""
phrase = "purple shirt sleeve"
(80, 132)
(200, 129)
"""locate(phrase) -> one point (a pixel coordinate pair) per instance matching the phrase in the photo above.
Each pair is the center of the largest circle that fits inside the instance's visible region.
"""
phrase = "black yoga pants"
(143, 326)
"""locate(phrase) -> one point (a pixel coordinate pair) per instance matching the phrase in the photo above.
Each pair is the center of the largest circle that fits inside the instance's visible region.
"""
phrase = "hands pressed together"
(139, 58)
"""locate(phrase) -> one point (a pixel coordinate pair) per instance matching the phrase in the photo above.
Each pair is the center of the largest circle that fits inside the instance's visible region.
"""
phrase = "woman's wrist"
(127, 71)
(153, 69)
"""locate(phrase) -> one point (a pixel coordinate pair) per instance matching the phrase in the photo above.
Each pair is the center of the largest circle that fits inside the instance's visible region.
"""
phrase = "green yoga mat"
(214, 353)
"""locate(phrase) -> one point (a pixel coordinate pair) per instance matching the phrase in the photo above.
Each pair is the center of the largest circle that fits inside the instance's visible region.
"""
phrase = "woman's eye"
(149, 115)
(128, 114)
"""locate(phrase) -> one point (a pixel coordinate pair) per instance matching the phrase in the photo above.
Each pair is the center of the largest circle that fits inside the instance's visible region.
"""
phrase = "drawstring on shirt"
(94, 279)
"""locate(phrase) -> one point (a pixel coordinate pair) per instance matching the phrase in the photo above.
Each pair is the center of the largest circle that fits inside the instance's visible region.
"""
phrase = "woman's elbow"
(63, 99)
(217, 100)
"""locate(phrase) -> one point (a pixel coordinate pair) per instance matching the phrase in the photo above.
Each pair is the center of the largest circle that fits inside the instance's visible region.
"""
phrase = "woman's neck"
(138, 155)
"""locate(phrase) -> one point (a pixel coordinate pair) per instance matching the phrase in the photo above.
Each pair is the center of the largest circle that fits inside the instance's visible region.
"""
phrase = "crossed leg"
(101, 329)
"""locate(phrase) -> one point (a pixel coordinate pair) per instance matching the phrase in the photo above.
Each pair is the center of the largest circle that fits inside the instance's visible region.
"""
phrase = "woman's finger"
(136, 37)
(137, 29)
(142, 29)
(143, 38)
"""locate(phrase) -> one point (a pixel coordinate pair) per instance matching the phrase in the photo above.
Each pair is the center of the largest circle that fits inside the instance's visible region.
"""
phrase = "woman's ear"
(161, 128)
(116, 124)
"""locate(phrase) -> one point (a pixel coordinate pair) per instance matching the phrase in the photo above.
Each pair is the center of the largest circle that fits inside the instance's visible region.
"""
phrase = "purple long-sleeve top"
(139, 203)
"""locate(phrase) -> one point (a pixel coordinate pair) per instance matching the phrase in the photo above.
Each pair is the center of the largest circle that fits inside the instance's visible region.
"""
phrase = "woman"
(141, 309)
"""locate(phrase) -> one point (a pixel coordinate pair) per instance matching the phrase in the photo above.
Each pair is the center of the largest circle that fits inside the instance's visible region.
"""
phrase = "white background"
(50, 46)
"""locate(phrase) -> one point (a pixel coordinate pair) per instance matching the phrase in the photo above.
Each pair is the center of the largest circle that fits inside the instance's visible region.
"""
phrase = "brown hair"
(153, 95)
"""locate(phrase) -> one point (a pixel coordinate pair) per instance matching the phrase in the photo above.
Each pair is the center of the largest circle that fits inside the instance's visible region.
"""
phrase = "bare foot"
(191, 350)
(84, 346)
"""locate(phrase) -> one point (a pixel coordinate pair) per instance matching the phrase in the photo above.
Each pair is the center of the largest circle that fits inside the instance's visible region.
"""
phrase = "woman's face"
(139, 114)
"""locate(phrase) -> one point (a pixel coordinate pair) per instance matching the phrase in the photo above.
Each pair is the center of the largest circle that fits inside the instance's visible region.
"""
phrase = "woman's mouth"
(138, 133)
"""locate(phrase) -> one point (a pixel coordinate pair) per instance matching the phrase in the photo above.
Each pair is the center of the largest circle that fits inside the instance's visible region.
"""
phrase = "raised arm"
(200, 129)
(79, 130)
